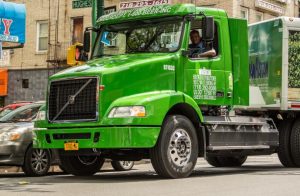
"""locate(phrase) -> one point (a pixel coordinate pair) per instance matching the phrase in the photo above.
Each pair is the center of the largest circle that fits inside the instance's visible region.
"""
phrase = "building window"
(77, 31)
(259, 16)
(25, 83)
(244, 13)
(42, 36)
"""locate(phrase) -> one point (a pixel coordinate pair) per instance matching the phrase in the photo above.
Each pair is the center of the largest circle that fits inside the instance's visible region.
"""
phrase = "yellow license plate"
(71, 146)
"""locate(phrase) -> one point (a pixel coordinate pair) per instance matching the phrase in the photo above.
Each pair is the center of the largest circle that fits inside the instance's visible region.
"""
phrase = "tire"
(81, 165)
(226, 161)
(176, 151)
(213, 161)
(284, 149)
(122, 165)
(36, 162)
(295, 143)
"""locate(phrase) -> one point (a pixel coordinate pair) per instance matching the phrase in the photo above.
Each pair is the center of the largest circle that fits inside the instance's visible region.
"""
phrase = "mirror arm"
(91, 29)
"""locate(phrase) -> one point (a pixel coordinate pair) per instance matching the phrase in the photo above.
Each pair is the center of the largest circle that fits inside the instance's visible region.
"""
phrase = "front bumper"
(98, 137)
(12, 153)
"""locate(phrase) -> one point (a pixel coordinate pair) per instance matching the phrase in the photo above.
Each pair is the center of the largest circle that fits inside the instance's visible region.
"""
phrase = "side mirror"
(87, 41)
(208, 28)
(76, 55)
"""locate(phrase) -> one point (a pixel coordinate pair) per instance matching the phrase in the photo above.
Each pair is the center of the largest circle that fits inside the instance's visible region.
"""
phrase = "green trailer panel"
(265, 52)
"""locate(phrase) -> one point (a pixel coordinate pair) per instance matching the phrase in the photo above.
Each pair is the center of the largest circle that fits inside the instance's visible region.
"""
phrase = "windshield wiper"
(152, 40)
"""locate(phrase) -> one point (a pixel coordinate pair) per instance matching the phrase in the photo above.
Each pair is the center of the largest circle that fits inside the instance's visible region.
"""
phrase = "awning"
(12, 22)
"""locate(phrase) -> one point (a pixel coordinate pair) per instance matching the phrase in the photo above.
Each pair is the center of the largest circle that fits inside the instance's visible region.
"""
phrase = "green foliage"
(294, 60)
(155, 38)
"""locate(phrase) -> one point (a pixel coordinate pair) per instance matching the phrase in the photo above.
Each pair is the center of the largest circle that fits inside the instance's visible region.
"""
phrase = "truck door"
(204, 77)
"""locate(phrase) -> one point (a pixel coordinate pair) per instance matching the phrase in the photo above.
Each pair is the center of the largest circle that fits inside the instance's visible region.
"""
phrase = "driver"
(198, 48)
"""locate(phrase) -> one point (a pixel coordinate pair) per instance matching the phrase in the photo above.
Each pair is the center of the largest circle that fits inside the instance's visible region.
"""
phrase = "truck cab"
(144, 95)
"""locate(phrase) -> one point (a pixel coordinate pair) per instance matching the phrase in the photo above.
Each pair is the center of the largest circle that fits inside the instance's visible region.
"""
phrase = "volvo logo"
(71, 99)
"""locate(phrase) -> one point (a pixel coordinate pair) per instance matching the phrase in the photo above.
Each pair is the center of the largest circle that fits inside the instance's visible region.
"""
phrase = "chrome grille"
(73, 99)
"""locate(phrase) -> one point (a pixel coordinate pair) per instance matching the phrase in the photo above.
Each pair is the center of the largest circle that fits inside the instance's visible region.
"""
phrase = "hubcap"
(126, 164)
(180, 147)
(39, 160)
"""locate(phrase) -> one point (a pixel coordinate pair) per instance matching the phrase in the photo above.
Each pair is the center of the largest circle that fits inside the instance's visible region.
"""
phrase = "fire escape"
(57, 46)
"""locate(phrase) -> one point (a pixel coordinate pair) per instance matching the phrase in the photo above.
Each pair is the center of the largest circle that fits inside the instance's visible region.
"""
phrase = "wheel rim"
(180, 147)
(39, 160)
(87, 160)
(126, 164)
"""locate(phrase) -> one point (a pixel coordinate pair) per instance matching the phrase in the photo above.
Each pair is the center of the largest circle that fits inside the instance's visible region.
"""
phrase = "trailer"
(274, 47)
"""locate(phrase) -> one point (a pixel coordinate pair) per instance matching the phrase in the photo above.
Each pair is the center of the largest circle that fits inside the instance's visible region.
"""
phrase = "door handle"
(220, 94)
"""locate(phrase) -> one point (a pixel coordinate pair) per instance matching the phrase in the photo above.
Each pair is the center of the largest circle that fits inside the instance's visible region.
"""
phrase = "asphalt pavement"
(262, 175)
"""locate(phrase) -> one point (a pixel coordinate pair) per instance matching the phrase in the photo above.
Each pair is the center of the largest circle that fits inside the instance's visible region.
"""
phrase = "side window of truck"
(198, 47)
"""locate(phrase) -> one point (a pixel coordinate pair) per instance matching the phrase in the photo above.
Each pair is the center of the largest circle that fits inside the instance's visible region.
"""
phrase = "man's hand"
(210, 53)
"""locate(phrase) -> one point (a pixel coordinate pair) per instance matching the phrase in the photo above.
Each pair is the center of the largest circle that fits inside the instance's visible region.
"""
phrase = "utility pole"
(97, 11)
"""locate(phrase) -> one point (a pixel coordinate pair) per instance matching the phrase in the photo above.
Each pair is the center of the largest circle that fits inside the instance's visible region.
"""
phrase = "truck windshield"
(138, 36)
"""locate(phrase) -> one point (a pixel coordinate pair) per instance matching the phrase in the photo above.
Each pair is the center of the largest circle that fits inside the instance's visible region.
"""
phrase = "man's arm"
(210, 53)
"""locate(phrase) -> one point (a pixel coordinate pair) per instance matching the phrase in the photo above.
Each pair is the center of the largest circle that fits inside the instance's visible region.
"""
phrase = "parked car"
(16, 142)
(11, 107)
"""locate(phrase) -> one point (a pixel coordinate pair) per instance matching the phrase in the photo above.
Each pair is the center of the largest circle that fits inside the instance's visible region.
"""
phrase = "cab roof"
(157, 11)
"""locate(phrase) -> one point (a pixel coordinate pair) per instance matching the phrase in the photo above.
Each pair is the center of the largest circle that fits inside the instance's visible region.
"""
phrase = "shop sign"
(109, 10)
(282, 1)
(269, 7)
(12, 22)
(77, 4)
(138, 4)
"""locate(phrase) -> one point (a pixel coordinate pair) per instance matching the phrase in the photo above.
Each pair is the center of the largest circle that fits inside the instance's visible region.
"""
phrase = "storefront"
(12, 36)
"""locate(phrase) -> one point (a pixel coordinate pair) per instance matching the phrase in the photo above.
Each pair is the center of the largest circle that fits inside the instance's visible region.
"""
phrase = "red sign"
(7, 24)
(137, 4)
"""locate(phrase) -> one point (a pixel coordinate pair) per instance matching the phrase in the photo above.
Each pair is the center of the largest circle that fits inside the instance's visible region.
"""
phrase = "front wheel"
(175, 154)
(122, 165)
(81, 165)
(36, 162)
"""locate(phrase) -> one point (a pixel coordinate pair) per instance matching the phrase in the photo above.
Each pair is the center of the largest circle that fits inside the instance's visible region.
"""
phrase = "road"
(259, 176)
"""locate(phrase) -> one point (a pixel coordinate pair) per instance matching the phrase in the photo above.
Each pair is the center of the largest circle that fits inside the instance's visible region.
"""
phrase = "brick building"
(53, 25)
(253, 10)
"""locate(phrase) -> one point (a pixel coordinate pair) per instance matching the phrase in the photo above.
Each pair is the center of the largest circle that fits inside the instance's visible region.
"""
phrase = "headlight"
(9, 136)
(41, 115)
(130, 111)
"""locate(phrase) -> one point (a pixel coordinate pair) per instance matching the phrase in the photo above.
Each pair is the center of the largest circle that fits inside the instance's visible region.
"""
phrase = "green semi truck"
(143, 96)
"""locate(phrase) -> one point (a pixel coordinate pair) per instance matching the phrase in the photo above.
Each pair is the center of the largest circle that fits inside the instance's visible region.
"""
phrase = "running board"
(240, 132)
(259, 147)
